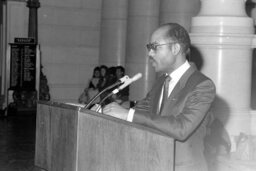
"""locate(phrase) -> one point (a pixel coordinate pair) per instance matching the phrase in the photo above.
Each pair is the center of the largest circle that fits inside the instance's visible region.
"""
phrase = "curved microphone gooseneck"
(115, 91)
(120, 81)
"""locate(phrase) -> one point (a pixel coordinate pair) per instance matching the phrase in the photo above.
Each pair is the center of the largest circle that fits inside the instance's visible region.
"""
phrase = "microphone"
(123, 79)
(117, 83)
(127, 82)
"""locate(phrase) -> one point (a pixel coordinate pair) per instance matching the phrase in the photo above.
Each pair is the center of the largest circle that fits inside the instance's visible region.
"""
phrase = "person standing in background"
(123, 95)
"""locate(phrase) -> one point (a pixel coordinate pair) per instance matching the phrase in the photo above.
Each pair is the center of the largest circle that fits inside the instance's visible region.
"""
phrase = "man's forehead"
(159, 34)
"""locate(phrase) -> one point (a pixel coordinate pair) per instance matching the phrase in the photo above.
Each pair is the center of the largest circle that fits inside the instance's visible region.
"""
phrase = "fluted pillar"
(223, 35)
(178, 11)
(142, 21)
(113, 32)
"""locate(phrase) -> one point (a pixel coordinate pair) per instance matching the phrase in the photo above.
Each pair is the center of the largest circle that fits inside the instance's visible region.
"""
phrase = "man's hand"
(115, 110)
(96, 108)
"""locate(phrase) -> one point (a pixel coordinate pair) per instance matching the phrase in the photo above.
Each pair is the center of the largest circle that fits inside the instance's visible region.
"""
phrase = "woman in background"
(92, 89)
(103, 77)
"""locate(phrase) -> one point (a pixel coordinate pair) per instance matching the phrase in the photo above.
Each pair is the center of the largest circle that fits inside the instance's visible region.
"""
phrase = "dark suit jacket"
(184, 116)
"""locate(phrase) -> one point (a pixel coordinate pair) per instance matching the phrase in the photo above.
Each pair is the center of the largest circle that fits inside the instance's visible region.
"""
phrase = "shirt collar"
(176, 74)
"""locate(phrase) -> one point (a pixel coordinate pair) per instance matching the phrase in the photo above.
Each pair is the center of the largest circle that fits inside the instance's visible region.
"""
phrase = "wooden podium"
(70, 138)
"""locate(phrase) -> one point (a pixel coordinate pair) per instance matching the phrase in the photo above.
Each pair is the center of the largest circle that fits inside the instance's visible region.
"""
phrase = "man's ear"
(176, 48)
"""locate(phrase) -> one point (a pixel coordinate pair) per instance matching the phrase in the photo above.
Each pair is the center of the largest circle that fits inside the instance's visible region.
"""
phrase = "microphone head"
(124, 78)
(128, 82)
(136, 77)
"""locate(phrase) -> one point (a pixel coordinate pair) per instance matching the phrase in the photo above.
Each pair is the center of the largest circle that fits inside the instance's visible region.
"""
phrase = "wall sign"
(23, 66)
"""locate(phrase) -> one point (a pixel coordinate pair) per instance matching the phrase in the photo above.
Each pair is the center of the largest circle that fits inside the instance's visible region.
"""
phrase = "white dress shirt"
(175, 77)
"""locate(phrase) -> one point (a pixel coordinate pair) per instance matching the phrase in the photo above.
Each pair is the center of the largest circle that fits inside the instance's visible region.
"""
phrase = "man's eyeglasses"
(154, 46)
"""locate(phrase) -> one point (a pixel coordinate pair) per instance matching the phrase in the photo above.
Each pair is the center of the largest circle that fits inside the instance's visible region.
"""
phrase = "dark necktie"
(165, 91)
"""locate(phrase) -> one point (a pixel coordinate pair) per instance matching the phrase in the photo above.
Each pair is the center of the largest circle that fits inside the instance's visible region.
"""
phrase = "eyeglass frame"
(153, 46)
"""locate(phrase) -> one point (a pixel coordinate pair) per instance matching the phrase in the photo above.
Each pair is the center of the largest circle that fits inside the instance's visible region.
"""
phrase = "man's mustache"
(151, 58)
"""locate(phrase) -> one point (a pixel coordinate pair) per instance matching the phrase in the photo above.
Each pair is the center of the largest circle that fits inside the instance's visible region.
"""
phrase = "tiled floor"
(17, 143)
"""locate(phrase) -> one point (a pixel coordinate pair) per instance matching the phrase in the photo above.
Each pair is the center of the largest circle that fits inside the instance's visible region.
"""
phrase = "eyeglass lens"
(154, 46)
(151, 46)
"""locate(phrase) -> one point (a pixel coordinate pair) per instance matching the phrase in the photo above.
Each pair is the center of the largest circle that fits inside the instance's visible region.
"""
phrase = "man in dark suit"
(184, 115)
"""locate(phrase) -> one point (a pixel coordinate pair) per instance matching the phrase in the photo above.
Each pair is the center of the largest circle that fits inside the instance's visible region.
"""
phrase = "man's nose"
(150, 53)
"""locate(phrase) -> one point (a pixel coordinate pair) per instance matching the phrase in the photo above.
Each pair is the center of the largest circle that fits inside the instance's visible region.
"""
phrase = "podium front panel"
(69, 138)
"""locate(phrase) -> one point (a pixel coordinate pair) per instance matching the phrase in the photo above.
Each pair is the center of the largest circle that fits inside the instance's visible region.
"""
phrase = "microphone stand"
(121, 87)
(99, 106)
(104, 90)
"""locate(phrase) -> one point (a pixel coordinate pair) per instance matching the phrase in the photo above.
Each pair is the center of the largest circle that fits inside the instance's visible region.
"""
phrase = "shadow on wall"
(253, 83)
(249, 6)
(196, 57)
(217, 140)
(218, 136)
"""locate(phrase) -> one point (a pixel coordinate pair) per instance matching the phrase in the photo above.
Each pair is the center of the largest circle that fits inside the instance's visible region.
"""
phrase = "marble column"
(33, 5)
(113, 32)
(223, 35)
(143, 19)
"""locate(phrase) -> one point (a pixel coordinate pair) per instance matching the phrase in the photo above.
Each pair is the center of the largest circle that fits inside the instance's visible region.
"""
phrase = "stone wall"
(69, 38)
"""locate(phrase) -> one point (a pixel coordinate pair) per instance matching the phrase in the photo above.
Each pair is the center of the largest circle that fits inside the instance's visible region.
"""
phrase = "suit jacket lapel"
(179, 86)
(183, 80)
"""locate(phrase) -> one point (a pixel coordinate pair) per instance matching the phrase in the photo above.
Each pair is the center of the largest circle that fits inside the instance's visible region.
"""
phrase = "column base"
(242, 158)
(224, 163)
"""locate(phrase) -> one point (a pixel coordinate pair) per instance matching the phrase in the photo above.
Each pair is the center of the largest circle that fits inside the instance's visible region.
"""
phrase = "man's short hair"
(178, 34)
